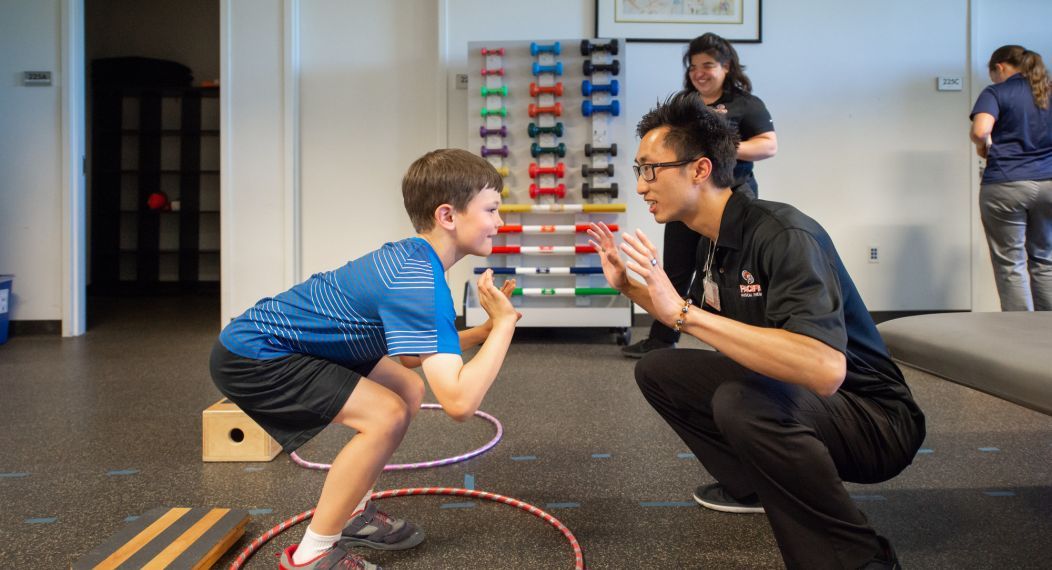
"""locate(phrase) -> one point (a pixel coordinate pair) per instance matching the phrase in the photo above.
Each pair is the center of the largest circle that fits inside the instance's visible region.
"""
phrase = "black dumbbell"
(613, 68)
(589, 150)
(587, 190)
(588, 47)
(587, 171)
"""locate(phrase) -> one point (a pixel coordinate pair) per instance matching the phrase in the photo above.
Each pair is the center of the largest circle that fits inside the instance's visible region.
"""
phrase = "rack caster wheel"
(623, 336)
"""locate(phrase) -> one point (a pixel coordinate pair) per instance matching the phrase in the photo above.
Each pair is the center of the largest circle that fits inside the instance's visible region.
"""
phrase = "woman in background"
(1012, 130)
(711, 68)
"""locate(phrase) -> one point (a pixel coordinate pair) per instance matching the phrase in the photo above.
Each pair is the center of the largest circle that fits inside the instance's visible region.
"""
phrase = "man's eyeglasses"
(648, 170)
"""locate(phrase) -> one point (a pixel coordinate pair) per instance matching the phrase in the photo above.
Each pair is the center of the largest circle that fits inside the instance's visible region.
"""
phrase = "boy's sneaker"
(717, 498)
(376, 529)
(644, 346)
(337, 558)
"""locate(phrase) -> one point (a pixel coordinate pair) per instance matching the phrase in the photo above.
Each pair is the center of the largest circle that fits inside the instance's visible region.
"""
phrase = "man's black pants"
(788, 445)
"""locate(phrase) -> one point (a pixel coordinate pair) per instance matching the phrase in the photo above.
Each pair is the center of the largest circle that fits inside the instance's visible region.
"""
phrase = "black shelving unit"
(132, 244)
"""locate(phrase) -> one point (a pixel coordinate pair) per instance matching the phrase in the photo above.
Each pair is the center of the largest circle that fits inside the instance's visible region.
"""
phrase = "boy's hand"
(497, 302)
(613, 268)
(507, 288)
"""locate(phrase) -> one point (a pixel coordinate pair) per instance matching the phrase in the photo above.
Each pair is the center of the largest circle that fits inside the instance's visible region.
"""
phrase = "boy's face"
(478, 223)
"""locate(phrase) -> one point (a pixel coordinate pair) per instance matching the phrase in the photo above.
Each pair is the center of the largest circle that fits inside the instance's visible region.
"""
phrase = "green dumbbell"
(534, 130)
(502, 91)
(503, 112)
(536, 149)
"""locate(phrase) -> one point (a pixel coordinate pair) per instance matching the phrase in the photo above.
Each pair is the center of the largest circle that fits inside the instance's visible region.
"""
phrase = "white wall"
(31, 168)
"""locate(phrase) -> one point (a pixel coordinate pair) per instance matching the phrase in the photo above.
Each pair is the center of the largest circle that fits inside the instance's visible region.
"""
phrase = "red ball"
(157, 201)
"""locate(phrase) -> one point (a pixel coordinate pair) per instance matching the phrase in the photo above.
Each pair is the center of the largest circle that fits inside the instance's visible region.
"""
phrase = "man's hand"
(643, 258)
(602, 239)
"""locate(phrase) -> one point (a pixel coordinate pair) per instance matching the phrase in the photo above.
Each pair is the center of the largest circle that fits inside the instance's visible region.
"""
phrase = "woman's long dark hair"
(1030, 65)
(722, 51)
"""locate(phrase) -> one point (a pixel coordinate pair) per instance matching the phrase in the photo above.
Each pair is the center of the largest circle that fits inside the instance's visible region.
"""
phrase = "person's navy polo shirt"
(777, 268)
(1022, 134)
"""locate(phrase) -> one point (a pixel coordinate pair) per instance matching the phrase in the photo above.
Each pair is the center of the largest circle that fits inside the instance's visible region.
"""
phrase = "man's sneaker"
(338, 557)
(717, 498)
(887, 560)
(644, 346)
(376, 529)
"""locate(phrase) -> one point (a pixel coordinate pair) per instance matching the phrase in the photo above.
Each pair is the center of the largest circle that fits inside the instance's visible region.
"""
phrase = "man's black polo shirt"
(777, 268)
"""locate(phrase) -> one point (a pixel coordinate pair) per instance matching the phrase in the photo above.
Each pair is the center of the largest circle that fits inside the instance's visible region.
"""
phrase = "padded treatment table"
(1008, 355)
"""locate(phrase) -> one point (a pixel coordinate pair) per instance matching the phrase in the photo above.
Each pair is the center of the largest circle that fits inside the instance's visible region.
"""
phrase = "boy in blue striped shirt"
(322, 352)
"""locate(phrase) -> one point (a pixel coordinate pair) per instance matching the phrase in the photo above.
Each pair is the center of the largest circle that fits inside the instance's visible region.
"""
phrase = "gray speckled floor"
(107, 426)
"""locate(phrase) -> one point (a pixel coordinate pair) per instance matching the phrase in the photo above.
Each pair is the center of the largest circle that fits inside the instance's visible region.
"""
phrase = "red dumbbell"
(556, 89)
(559, 170)
(498, 51)
(497, 71)
(558, 190)
(556, 109)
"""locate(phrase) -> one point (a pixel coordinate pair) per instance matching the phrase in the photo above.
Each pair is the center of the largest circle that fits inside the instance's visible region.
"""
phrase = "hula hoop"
(425, 464)
(284, 525)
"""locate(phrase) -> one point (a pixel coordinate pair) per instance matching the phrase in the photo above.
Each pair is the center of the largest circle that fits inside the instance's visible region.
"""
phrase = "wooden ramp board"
(170, 538)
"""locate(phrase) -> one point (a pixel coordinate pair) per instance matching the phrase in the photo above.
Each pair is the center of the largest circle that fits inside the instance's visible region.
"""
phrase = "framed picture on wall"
(678, 20)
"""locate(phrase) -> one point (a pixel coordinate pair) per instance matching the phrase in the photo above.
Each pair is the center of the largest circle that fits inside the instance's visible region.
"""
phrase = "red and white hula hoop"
(425, 464)
(577, 553)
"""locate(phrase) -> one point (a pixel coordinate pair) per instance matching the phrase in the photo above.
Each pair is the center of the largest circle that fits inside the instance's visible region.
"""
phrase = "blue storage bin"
(5, 304)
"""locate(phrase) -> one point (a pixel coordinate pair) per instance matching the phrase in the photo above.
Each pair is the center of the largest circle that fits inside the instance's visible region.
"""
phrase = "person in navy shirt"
(1012, 130)
(800, 393)
(322, 351)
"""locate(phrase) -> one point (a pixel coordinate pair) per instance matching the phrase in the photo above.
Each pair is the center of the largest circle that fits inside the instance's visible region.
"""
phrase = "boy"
(320, 352)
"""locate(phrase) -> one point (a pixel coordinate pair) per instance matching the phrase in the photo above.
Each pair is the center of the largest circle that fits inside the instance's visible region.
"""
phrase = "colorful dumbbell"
(559, 170)
(502, 91)
(537, 150)
(557, 69)
(613, 68)
(503, 171)
(587, 171)
(497, 71)
(537, 49)
(556, 89)
(503, 111)
(502, 151)
(502, 131)
(589, 150)
(557, 190)
(556, 109)
(588, 191)
(588, 108)
(498, 51)
(588, 47)
(587, 88)
(534, 130)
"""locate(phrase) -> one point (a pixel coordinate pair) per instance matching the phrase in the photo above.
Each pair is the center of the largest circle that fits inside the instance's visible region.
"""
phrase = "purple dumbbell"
(484, 132)
(503, 151)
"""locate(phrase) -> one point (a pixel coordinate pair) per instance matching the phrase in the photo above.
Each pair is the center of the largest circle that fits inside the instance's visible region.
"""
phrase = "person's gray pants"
(1017, 217)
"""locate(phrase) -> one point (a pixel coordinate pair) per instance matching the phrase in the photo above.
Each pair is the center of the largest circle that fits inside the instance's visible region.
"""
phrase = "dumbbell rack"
(543, 245)
(493, 92)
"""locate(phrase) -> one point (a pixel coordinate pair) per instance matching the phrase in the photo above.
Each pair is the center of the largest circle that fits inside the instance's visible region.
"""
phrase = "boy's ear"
(444, 216)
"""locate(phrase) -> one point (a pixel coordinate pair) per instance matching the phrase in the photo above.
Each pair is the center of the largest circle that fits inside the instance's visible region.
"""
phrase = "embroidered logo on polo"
(721, 109)
(750, 288)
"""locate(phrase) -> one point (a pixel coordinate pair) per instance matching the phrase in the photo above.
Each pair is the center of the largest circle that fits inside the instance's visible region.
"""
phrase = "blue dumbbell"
(536, 48)
(587, 88)
(556, 69)
(587, 108)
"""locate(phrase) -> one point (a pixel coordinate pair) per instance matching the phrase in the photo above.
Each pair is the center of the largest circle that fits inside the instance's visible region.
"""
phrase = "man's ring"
(653, 262)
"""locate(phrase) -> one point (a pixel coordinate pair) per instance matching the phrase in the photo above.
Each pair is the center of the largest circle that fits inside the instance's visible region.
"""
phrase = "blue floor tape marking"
(523, 457)
(685, 455)
(999, 493)
(469, 481)
(123, 472)
(13, 475)
(254, 469)
(869, 497)
(131, 518)
(600, 456)
(257, 512)
(989, 449)
(925, 450)
(458, 506)
(43, 520)
(667, 504)
(562, 505)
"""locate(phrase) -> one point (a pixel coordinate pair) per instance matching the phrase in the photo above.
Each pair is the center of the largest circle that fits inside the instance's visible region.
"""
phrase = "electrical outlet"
(874, 254)
(462, 81)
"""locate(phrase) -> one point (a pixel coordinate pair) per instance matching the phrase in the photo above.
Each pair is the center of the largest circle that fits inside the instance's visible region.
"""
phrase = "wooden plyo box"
(228, 434)
(169, 538)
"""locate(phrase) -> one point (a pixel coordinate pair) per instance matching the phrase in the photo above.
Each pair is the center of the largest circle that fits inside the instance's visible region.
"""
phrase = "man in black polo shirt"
(801, 394)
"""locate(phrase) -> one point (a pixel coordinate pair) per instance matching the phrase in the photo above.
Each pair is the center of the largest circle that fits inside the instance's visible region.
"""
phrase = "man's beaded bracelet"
(683, 314)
